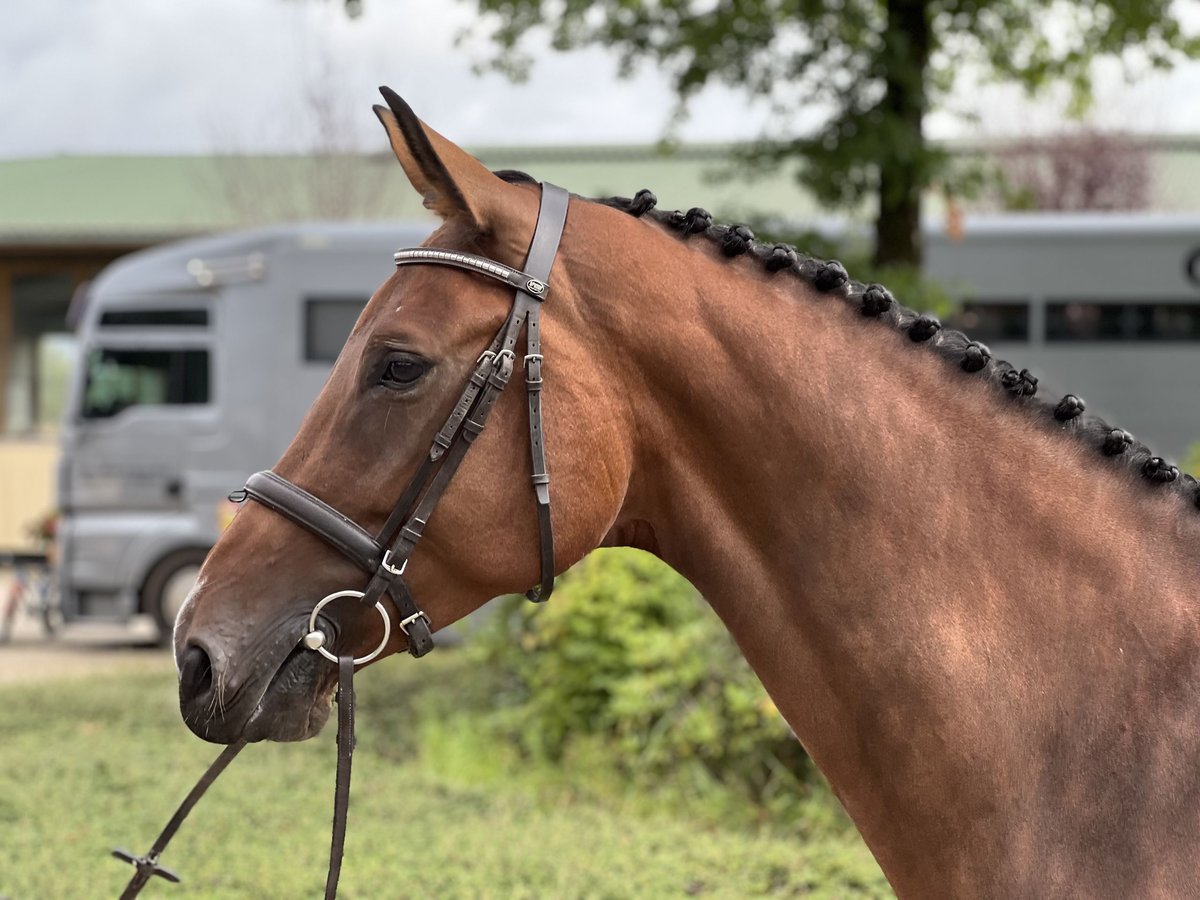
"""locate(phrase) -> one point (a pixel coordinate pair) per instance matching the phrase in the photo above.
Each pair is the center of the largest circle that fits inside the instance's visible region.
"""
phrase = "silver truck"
(197, 362)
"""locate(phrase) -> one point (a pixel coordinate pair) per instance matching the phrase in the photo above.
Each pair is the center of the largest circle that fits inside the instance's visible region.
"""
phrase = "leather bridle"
(385, 556)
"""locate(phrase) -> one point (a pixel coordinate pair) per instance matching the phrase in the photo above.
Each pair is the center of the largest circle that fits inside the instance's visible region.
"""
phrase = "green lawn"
(437, 812)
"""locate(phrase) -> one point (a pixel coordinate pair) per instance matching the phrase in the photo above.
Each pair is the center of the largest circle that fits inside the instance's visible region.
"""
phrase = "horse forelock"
(970, 358)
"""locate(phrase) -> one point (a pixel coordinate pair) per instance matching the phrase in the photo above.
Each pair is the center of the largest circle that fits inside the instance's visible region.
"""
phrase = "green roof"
(142, 199)
(74, 198)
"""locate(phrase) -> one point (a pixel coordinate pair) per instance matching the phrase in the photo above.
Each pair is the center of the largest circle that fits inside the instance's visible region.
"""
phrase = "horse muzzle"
(285, 696)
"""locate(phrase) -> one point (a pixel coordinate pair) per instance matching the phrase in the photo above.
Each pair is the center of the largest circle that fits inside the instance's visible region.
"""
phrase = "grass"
(437, 811)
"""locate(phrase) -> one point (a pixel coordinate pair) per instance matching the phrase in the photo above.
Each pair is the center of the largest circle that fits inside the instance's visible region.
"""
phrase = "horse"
(976, 608)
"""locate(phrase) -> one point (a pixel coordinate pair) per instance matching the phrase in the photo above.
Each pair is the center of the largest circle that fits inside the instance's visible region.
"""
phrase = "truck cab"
(197, 361)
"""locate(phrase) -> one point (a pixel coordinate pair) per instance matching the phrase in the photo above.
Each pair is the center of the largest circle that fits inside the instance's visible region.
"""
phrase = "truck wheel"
(168, 586)
(51, 608)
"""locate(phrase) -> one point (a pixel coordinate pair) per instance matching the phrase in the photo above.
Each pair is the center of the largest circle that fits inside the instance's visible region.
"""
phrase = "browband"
(535, 287)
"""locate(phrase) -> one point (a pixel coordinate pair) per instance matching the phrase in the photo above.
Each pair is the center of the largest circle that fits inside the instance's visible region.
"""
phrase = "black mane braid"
(874, 301)
(1065, 414)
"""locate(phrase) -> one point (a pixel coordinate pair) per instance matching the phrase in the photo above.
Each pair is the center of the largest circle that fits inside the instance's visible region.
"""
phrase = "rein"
(385, 555)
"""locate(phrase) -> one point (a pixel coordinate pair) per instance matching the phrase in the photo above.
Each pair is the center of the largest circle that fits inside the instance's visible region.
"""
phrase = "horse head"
(395, 387)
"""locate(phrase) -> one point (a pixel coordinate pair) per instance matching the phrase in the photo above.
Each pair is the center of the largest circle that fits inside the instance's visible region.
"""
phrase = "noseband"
(385, 556)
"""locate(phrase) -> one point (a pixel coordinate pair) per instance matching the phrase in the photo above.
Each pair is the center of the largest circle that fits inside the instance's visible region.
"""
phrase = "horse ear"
(455, 184)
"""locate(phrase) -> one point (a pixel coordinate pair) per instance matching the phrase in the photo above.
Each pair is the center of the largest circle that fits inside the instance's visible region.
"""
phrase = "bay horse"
(977, 609)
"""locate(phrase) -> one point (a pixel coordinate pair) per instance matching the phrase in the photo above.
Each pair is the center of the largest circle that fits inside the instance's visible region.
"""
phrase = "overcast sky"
(193, 76)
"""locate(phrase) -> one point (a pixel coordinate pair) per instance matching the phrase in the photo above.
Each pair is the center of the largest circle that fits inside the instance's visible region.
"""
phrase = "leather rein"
(384, 556)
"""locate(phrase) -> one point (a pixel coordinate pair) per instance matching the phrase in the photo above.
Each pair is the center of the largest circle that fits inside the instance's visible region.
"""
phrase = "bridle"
(385, 556)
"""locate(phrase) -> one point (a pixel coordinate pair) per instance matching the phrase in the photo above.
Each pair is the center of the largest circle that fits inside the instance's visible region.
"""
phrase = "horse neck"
(922, 575)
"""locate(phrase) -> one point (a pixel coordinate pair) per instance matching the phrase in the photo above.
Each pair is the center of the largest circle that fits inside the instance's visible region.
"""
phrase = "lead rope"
(341, 791)
(147, 866)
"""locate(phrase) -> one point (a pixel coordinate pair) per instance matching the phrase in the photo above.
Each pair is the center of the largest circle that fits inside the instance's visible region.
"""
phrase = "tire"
(51, 609)
(167, 586)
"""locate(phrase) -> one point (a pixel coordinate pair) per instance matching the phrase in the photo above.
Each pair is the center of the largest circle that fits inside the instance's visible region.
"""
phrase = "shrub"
(629, 654)
(1191, 464)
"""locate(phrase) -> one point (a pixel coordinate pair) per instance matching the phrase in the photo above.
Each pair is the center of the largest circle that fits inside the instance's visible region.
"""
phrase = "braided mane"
(874, 301)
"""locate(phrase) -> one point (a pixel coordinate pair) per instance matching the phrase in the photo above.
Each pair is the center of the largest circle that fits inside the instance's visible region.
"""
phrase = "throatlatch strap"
(147, 866)
(541, 258)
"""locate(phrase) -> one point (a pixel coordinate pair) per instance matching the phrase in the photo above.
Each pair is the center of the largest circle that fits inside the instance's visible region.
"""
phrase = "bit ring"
(315, 638)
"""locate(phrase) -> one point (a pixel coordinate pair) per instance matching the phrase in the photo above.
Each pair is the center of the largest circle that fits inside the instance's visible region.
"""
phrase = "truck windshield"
(119, 379)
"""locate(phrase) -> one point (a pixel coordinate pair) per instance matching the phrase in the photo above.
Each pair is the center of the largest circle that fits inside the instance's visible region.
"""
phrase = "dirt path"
(77, 651)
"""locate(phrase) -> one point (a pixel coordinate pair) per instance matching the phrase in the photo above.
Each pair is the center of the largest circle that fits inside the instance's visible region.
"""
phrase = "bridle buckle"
(404, 623)
(387, 566)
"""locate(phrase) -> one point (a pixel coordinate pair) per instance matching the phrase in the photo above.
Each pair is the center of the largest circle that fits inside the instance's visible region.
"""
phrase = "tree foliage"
(876, 66)
(1191, 465)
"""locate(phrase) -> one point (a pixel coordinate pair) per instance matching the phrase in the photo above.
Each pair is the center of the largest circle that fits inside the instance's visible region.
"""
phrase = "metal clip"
(147, 867)
(314, 638)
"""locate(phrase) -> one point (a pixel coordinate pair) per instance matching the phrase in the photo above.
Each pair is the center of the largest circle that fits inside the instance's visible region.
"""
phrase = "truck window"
(1082, 321)
(153, 317)
(119, 379)
(328, 321)
(993, 321)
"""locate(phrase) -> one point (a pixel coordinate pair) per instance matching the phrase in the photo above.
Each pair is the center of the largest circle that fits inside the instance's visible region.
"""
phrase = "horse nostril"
(196, 673)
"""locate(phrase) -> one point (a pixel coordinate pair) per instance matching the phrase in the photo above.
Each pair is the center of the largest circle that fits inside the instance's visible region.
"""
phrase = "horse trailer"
(1106, 306)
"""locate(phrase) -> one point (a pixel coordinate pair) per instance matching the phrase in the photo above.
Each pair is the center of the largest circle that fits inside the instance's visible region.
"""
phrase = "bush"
(628, 654)
(1191, 464)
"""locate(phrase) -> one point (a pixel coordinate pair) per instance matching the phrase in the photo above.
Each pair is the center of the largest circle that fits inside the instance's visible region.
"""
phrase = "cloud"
(191, 76)
(142, 76)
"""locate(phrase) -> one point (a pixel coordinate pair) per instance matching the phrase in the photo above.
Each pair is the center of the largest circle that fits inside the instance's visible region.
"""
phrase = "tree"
(878, 66)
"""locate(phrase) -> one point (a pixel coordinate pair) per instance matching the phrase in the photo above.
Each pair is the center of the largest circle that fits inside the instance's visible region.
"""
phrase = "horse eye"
(403, 372)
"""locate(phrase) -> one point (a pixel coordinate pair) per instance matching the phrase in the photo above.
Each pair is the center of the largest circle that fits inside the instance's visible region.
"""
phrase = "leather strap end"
(540, 594)
(420, 638)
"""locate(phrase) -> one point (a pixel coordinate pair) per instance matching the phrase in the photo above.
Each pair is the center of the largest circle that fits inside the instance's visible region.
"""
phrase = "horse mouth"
(296, 703)
(285, 701)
